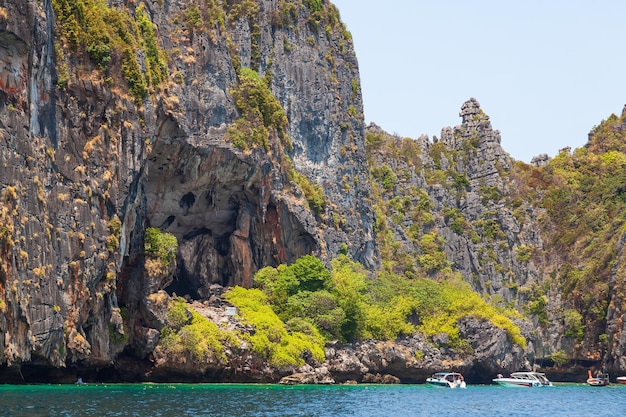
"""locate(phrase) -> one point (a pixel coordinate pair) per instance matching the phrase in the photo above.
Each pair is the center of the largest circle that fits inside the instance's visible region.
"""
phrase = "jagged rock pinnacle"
(471, 108)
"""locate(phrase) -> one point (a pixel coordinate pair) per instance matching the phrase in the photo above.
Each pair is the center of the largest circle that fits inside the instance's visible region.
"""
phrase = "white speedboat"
(447, 380)
(524, 379)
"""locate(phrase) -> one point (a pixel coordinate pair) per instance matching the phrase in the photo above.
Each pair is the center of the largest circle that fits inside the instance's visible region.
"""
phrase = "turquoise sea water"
(177, 400)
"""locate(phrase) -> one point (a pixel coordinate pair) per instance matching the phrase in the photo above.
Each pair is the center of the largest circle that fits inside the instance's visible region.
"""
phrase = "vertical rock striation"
(85, 168)
(104, 134)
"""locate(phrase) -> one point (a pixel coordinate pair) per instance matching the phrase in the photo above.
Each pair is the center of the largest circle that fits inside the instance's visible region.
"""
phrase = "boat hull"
(446, 380)
(436, 383)
(524, 379)
(511, 383)
(447, 384)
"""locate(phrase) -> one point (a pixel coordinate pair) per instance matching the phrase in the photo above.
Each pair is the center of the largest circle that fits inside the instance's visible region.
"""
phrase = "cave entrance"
(196, 193)
(195, 274)
(183, 287)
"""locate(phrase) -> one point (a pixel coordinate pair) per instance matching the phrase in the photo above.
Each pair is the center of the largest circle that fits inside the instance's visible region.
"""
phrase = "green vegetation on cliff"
(420, 192)
(346, 305)
(261, 113)
(272, 339)
(583, 195)
(262, 118)
(161, 245)
(189, 333)
(296, 309)
(111, 37)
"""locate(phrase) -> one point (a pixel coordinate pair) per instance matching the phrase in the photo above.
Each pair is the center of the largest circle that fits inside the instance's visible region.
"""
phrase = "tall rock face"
(545, 238)
(456, 191)
(236, 126)
(89, 161)
(451, 204)
(615, 331)
(482, 183)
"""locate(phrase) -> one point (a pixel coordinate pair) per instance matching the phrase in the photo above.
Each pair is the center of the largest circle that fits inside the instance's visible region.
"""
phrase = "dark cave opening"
(198, 198)
(222, 245)
(197, 232)
(187, 281)
(182, 286)
(167, 223)
(187, 202)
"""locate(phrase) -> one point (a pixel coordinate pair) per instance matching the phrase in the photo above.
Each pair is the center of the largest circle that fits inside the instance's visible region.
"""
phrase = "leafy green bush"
(271, 339)
(115, 229)
(460, 181)
(132, 73)
(574, 326)
(320, 308)
(373, 141)
(115, 338)
(193, 17)
(437, 151)
(559, 357)
(307, 274)
(433, 257)
(349, 284)
(208, 16)
(187, 332)
(314, 5)
(491, 193)
(156, 61)
(389, 320)
(307, 290)
(538, 308)
(459, 300)
(523, 253)
(385, 176)
(162, 245)
(456, 220)
(178, 315)
(345, 304)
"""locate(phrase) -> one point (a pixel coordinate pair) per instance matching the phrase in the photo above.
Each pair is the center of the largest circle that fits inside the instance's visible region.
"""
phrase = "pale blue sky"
(545, 71)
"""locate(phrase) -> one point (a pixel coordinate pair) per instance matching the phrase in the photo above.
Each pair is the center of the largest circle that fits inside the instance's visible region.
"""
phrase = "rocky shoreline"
(409, 359)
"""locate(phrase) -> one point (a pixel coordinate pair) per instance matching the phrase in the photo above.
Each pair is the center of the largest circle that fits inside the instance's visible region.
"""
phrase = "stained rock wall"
(85, 169)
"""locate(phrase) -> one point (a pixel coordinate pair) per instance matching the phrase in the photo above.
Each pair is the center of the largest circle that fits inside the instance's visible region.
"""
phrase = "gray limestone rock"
(78, 157)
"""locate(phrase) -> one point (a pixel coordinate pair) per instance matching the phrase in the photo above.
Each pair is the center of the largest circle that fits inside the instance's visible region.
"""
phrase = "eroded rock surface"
(85, 169)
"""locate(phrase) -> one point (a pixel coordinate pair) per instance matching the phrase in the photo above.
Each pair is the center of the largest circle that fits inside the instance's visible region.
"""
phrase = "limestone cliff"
(448, 202)
(528, 236)
(92, 155)
(463, 179)
(236, 126)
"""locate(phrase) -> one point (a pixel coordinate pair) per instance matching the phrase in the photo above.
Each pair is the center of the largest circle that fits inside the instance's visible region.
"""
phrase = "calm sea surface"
(165, 400)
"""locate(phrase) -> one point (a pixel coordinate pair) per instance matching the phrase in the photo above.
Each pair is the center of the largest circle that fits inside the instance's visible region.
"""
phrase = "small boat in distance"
(524, 379)
(621, 379)
(600, 380)
(447, 380)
